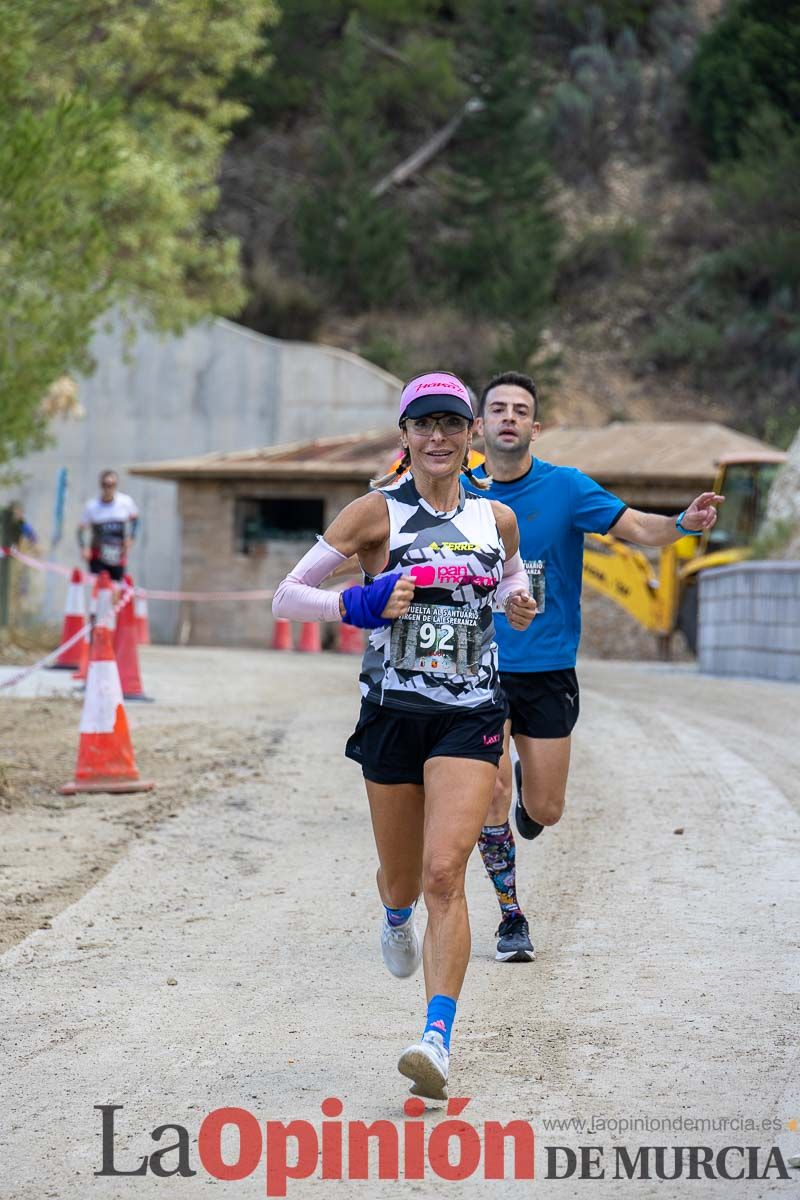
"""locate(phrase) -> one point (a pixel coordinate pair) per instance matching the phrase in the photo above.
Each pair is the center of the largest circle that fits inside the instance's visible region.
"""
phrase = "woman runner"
(430, 733)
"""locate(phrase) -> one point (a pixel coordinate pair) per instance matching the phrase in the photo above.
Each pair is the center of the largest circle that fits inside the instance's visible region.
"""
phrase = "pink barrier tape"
(126, 597)
(152, 594)
(48, 658)
(37, 564)
(148, 593)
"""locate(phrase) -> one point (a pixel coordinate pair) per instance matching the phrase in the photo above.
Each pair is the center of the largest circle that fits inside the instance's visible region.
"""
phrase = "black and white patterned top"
(442, 654)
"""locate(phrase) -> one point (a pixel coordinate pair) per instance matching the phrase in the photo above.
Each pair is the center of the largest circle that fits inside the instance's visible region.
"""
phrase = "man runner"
(555, 507)
(112, 519)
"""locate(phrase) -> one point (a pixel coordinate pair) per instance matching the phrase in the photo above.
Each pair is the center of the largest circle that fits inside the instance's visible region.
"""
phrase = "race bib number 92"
(438, 639)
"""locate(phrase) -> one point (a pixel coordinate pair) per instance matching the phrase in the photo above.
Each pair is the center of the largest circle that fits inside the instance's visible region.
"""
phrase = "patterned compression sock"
(441, 1014)
(499, 854)
(398, 916)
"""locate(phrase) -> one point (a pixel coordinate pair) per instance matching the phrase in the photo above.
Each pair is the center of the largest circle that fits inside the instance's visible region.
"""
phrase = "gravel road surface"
(216, 944)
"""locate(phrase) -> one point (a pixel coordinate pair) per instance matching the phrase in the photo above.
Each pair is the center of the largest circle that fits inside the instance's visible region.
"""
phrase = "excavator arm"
(626, 576)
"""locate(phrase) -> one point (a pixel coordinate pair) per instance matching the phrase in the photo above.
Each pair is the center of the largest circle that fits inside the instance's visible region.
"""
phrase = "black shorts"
(542, 704)
(116, 572)
(392, 746)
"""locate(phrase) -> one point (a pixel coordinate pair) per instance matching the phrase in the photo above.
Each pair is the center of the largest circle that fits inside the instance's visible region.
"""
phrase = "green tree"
(736, 322)
(354, 241)
(747, 61)
(499, 259)
(575, 19)
(305, 46)
(112, 130)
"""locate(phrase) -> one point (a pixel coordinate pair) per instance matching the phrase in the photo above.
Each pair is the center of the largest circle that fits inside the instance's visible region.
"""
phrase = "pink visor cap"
(434, 392)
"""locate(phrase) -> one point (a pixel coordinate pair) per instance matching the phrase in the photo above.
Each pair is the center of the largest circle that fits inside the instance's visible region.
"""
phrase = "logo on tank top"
(453, 573)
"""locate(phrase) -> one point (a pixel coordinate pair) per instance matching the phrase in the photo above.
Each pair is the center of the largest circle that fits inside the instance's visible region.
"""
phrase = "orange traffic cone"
(351, 640)
(142, 619)
(127, 653)
(105, 754)
(101, 607)
(310, 638)
(282, 634)
(74, 619)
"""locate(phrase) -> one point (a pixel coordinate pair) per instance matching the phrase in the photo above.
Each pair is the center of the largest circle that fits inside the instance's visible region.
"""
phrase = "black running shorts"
(542, 704)
(392, 746)
(116, 572)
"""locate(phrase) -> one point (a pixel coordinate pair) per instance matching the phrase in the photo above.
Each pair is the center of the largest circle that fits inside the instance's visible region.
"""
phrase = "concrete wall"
(749, 620)
(218, 387)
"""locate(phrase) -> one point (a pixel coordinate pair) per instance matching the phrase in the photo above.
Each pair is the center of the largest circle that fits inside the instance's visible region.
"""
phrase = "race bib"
(110, 553)
(438, 639)
(534, 569)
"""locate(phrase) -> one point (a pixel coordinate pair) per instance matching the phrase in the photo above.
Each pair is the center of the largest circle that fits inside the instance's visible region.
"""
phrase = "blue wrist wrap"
(690, 532)
(363, 605)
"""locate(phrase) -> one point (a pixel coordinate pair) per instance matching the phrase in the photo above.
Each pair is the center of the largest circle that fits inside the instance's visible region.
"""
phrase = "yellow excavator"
(665, 599)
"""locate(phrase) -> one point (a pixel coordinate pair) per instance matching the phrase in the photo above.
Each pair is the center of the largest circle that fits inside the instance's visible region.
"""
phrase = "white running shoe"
(427, 1063)
(401, 946)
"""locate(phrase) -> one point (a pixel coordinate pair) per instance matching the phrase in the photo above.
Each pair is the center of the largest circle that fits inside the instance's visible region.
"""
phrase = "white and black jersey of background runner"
(109, 523)
(468, 538)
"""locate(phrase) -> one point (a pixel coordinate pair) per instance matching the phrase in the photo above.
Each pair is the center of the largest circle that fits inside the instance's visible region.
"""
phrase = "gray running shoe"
(513, 941)
(427, 1063)
(401, 946)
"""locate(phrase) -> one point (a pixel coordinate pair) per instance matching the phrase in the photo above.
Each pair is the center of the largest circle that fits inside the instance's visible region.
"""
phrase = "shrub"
(603, 254)
(736, 322)
(749, 60)
(278, 306)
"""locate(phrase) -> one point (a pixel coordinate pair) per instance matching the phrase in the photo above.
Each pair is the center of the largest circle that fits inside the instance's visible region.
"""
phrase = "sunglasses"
(449, 424)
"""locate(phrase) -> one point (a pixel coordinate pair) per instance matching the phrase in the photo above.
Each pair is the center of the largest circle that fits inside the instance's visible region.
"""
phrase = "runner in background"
(555, 507)
(111, 520)
(430, 732)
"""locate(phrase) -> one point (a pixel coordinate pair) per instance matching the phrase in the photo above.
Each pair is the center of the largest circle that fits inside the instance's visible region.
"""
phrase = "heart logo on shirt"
(423, 576)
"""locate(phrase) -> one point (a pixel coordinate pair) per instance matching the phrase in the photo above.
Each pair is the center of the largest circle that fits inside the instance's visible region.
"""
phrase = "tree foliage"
(355, 242)
(748, 61)
(305, 47)
(500, 257)
(737, 322)
(579, 21)
(112, 130)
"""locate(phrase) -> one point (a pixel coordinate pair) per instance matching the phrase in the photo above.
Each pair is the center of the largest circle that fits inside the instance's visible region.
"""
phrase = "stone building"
(246, 517)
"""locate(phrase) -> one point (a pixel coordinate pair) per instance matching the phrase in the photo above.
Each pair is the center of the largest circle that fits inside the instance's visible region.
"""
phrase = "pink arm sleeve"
(515, 579)
(299, 597)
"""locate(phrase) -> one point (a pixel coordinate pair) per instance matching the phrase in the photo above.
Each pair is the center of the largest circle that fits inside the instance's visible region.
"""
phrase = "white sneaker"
(401, 946)
(427, 1063)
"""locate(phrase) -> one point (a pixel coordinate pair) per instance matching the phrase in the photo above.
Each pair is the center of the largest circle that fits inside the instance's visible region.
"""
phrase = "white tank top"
(442, 654)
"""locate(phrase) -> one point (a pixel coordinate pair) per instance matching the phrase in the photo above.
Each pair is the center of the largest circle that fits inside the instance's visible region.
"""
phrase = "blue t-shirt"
(555, 507)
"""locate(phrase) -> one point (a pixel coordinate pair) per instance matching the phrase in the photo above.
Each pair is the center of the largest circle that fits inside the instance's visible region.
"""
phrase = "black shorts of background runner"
(392, 746)
(116, 572)
(542, 704)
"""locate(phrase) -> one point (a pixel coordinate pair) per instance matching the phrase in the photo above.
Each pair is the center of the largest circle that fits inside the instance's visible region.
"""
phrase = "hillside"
(556, 206)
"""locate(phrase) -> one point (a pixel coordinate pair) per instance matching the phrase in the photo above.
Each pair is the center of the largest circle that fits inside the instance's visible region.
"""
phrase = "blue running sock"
(398, 916)
(441, 1014)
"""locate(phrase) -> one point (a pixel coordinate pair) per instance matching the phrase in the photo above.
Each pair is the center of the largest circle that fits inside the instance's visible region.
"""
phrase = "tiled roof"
(623, 450)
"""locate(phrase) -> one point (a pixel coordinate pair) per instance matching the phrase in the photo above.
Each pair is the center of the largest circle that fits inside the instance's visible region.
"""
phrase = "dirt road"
(215, 944)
